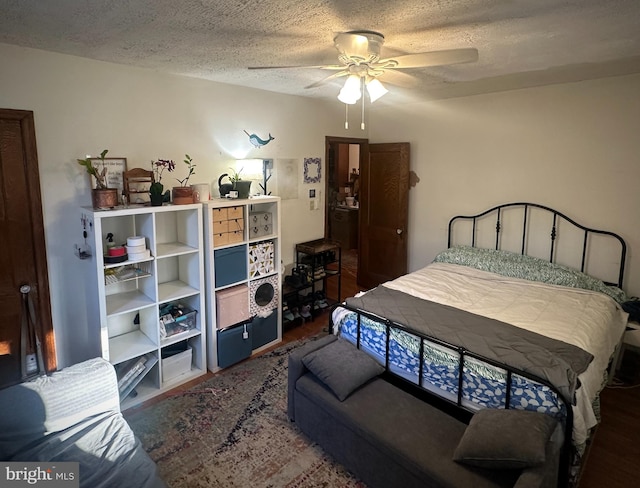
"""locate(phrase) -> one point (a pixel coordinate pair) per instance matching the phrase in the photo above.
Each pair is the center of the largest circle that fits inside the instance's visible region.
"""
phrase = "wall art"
(312, 170)
(258, 142)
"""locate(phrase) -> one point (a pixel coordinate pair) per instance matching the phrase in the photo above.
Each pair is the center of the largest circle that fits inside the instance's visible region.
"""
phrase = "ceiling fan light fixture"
(376, 89)
(350, 92)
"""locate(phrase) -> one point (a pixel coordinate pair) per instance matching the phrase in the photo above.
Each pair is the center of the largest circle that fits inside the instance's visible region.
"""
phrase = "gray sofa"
(387, 437)
(74, 416)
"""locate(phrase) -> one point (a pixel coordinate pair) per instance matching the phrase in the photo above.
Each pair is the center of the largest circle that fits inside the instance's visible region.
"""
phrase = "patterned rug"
(233, 431)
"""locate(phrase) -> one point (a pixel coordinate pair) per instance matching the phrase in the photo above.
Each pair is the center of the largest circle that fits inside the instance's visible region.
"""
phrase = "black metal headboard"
(557, 218)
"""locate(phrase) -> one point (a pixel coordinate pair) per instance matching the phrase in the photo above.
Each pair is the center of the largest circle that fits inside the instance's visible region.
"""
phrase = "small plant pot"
(156, 199)
(182, 195)
(104, 198)
(243, 187)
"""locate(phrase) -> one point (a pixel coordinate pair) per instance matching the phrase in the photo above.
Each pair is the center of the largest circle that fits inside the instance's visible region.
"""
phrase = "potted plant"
(243, 187)
(101, 196)
(156, 189)
(183, 194)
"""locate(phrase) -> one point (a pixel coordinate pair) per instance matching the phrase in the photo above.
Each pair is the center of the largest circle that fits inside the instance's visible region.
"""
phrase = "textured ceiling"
(520, 42)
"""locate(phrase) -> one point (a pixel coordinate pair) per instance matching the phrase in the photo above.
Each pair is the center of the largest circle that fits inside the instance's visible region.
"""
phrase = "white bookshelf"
(124, 308)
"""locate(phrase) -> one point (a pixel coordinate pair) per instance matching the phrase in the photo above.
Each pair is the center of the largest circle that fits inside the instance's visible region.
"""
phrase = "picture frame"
(115, 172)
(312, 170)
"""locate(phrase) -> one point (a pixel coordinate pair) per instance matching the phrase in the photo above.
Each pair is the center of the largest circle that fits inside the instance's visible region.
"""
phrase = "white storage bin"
(176, 365)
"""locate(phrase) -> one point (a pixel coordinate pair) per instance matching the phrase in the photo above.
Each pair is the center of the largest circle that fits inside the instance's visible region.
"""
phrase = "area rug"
(233, 431)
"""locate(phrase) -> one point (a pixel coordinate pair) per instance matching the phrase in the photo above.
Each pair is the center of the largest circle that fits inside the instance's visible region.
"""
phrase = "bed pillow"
(514, 265)
(505, 439)
(342, 367)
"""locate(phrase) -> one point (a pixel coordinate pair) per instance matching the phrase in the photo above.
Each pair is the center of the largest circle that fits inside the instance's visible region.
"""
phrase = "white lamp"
(376, 89)
(350, 92)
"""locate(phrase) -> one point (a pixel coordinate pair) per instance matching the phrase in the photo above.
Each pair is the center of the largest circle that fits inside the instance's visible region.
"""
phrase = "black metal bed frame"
(459, 409)
(553, 233)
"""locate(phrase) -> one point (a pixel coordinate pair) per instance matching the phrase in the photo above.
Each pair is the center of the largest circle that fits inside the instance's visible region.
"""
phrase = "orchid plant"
(159, 166)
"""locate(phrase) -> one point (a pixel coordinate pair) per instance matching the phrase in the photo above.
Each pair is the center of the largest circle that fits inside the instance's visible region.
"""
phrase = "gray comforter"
(555, 361)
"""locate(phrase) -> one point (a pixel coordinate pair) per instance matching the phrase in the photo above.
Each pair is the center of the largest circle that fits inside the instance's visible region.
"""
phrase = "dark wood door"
(23, 256)
(384, 206)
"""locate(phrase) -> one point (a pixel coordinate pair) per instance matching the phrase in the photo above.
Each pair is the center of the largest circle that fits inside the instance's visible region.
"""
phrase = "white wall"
(573, 147)
(83, 106)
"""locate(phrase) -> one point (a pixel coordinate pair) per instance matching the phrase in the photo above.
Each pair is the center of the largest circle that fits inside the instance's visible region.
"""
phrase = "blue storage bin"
(264, 329)
(230, 265)
(232, 346)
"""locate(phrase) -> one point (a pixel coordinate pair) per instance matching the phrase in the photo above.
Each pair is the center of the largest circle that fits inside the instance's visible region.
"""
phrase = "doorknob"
(399, 231)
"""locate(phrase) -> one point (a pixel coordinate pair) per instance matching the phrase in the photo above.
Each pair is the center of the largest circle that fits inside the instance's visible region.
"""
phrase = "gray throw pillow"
(342, 367)
(505, 439)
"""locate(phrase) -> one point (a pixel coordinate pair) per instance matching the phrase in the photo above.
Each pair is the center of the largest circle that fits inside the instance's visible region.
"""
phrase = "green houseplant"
(101, 196)
(243, 187)
(183, 194)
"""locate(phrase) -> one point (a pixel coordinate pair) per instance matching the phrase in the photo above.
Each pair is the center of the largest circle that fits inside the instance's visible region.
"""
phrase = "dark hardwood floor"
(614, 456)
(613, 459)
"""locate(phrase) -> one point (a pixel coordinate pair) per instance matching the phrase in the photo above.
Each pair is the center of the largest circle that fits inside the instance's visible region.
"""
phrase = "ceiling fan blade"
(398, 78)
(328, 67)
(434, 58)
(328, 78)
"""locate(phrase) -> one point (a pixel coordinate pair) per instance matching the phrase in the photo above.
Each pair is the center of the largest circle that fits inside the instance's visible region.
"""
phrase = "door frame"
(364, 153)
(32, 174)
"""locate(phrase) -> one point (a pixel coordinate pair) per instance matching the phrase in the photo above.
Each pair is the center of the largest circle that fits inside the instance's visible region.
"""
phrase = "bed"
(487, 327)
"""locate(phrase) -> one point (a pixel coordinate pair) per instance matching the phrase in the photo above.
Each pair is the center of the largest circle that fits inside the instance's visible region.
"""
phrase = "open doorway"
(342, 215)
(381, 182)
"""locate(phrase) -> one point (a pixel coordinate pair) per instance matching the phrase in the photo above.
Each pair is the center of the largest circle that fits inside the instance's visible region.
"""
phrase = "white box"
(175, 365)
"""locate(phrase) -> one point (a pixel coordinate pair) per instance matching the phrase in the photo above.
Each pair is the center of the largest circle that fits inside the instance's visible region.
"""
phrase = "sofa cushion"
(505, 439)
(107, 450)
(50, 404)
(342, 367)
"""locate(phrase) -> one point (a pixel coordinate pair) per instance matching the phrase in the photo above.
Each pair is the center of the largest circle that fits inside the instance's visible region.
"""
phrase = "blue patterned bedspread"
(483, 385)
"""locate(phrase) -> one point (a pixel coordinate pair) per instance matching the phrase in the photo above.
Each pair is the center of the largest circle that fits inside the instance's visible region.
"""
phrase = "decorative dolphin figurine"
(256, 141)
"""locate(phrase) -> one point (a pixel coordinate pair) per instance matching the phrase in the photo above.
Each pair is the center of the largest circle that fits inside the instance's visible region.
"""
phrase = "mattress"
(587, 319)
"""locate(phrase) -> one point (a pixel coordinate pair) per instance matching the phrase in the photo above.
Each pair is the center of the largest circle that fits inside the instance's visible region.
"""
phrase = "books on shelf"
(132, 372)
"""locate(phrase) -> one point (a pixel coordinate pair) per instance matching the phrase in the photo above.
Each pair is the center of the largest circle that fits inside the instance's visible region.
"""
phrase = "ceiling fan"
(360, 61)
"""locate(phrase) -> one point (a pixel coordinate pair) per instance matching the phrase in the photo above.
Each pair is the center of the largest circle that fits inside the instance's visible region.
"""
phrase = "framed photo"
(312, 170)
(115, 170)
